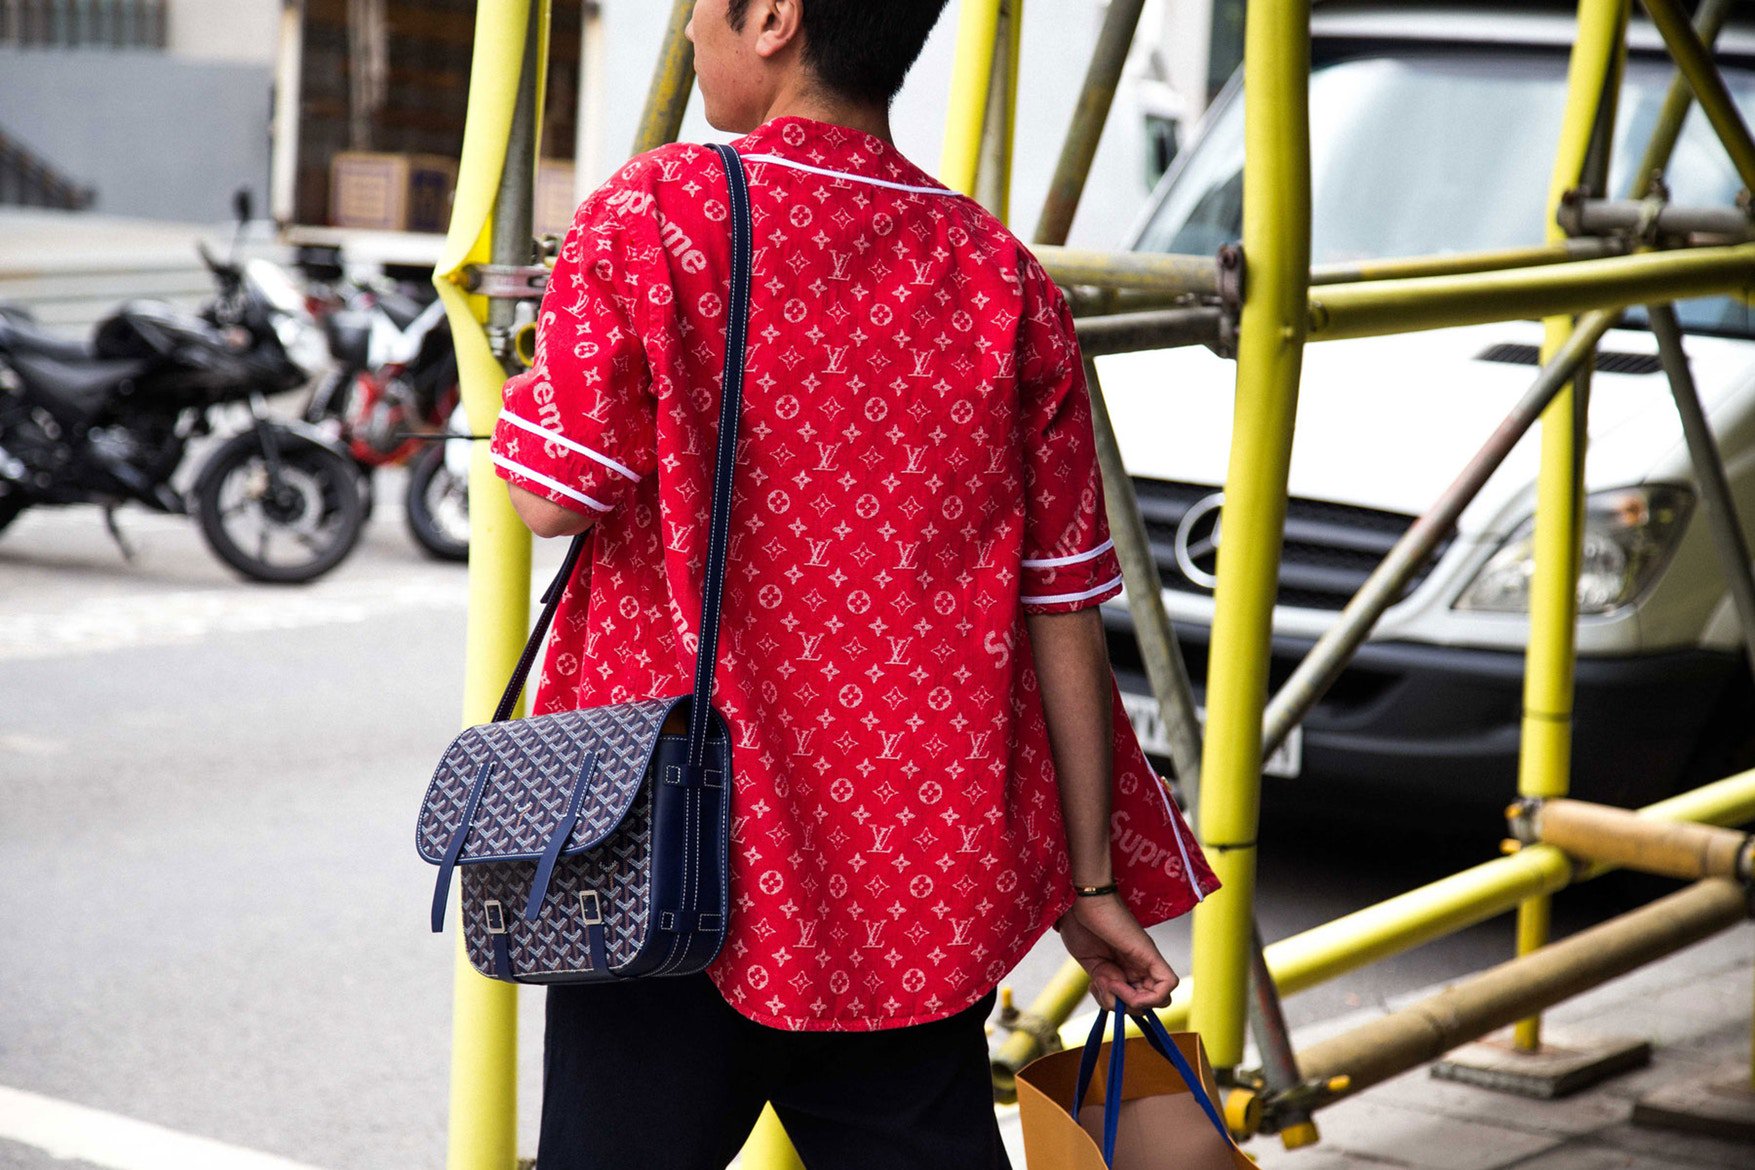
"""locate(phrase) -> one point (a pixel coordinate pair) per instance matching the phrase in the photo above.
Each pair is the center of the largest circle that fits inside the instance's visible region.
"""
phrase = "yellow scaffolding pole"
(1276, 249)
(1545, 748)
(484, 1042)
(971, 81)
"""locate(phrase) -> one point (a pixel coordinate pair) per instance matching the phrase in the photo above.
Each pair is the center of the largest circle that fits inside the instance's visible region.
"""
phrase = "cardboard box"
(391, 192)
(555, 203)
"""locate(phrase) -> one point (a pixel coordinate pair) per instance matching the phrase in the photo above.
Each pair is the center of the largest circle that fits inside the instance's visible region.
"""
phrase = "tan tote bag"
(1162, 1117)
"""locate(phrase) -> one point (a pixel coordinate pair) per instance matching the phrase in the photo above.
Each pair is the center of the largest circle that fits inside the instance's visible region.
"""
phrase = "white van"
(1433, 131)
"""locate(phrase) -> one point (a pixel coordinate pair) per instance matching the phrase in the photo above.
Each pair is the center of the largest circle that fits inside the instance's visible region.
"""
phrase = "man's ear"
(779, 23)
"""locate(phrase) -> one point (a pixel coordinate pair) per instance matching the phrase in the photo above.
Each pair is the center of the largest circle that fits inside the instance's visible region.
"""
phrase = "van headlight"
(1629, 534)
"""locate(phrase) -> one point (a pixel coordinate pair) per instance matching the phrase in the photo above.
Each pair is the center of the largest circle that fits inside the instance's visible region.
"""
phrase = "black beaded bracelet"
(1094, 891)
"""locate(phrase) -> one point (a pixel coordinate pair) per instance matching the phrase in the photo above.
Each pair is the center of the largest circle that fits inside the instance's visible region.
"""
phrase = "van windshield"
(1426, 153)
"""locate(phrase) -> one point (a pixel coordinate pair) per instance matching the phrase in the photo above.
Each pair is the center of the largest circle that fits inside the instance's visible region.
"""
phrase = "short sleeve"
(579, 427)
(1069, 560)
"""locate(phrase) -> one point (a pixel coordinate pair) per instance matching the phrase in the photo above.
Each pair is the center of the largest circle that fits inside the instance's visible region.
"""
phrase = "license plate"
(1142, 712)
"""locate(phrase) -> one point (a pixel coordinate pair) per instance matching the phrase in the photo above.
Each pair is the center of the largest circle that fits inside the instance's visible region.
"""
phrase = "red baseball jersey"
(915, 473)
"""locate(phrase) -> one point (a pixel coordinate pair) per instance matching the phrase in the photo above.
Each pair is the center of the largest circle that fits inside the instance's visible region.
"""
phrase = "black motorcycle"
(109, 420)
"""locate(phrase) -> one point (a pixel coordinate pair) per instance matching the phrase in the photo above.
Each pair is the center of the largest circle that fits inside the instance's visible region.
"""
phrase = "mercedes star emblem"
(1197, 541)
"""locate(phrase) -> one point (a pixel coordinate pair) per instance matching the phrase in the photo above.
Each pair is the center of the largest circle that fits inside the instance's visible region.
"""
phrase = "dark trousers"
(662, 1074)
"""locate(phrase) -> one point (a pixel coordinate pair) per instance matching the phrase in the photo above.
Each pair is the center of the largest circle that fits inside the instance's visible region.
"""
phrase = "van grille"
(1609, 361)
(1329, 549)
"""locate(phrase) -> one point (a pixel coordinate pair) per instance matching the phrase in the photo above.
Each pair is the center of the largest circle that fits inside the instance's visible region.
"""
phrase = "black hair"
(861, 49)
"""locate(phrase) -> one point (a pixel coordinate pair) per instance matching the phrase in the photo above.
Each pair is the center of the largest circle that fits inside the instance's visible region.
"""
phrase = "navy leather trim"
(730, 404)
(599, 952)
(689, 776)
(503, 959)
(563, 832)
(442, 887)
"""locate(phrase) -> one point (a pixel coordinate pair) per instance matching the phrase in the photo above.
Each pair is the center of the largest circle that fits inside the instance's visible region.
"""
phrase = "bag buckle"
(495, 915)
(591, 907)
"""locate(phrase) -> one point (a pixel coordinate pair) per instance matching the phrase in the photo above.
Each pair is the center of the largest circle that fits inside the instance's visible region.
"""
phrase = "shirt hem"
(1051, 915)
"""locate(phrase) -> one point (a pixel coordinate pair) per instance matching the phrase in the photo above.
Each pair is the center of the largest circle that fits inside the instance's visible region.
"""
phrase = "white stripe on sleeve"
(1075, 558)
(1055, 598)
(553, 484)
(555, 436)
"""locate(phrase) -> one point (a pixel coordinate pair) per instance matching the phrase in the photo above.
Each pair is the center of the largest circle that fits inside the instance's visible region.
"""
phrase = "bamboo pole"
(1709, 472)
(1096, 96)
(1451, 904)
(493, 183)
(993, 180)
(1424, 1031)
(1150, 271)
(1708, 21)
(1128, 332)
(1598, 217)
(673, 80)
(1694, 59)
(1621, 837)
(1379, 308)
(1276, 242)
(1402, 268)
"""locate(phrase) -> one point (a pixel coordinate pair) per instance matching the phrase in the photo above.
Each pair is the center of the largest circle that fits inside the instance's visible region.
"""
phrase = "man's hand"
(1121, 958)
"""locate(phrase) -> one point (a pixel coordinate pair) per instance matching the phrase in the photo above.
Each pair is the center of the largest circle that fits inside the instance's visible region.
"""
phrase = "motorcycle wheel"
(315, 510)
(438, 506)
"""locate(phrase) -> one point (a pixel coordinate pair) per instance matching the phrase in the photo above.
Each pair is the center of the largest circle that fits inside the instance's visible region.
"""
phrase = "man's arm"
(546, 518)
(1072, 664)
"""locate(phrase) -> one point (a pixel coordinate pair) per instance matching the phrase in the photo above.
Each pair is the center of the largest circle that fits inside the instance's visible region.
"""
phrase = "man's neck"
(809, 101)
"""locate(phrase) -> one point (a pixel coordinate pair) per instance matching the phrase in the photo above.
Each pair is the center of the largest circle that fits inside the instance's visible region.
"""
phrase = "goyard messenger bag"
(594, 844)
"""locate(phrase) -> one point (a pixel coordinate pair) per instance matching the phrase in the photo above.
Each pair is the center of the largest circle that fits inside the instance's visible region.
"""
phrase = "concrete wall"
(158, 136)
(242, 31)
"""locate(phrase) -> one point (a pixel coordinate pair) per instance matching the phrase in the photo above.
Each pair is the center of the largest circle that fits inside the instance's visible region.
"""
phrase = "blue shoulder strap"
(719, 529)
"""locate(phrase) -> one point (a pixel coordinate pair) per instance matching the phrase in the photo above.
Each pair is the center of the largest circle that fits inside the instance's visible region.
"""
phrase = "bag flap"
(533, 767)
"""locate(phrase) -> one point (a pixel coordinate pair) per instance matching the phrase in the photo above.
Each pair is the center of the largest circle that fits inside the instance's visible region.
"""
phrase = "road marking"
(75, 1132)
(100, 624)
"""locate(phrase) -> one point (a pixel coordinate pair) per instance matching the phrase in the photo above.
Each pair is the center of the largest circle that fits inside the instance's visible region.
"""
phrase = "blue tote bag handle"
(1160, 1040)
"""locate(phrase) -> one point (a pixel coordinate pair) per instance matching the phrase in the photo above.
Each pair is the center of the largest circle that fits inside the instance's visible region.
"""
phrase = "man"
(930, 758)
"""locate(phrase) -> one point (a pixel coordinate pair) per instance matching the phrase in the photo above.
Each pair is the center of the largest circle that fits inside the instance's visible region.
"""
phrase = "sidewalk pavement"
(1695, 1009)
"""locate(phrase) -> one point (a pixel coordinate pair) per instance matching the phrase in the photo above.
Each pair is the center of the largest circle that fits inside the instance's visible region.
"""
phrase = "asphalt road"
(212, 917)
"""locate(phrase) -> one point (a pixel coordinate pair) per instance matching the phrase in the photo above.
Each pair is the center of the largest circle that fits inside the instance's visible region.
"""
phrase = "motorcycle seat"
(78, 388)
(21, 336)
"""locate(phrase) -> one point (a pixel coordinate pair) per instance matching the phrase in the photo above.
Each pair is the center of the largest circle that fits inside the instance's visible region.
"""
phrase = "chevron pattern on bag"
(535, 766)
(555, 947)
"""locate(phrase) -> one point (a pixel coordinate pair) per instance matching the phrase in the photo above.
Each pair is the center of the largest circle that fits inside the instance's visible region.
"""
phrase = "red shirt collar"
(834, 148)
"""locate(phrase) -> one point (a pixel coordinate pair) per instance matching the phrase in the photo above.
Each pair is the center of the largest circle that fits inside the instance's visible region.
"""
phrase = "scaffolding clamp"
(1252, 1108)
(516, 282)
(1230, 265)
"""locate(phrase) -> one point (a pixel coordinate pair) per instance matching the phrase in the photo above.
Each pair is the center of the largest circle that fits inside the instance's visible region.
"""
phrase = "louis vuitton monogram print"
(916, 472)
